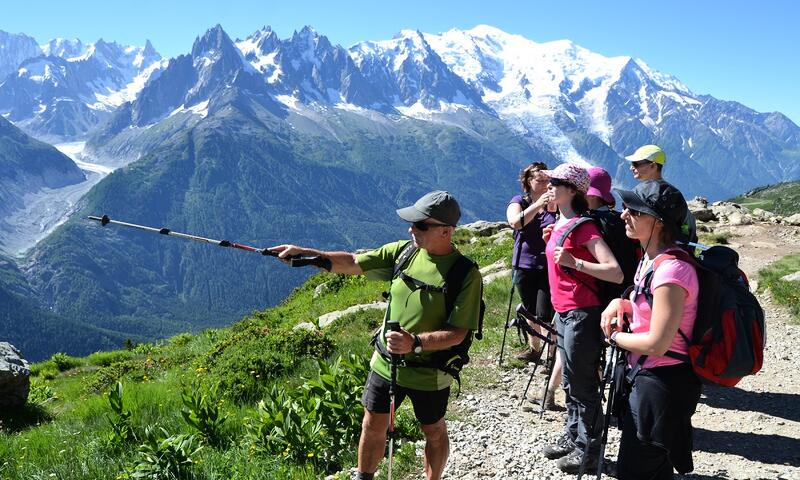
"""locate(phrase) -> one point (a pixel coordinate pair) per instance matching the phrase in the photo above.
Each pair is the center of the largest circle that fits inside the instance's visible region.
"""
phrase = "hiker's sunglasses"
(632, 213)
(640, 163)
(557, 182)
(423, 227)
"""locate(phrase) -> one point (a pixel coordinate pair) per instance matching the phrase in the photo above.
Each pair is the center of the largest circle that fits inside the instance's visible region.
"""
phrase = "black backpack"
(453, 359)
(625, 250)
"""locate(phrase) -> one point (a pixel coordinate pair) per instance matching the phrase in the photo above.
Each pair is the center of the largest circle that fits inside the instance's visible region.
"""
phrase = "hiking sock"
(365, 476)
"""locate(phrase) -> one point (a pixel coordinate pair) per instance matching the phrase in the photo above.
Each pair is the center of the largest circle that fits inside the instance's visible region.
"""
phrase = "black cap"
(438, 205)
(659, 199)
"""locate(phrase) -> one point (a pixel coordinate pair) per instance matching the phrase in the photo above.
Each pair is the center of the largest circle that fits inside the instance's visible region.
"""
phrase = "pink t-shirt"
(676, 272)
(566, 292)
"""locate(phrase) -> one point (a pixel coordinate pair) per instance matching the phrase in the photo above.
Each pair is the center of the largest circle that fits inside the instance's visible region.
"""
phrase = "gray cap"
(659, 199)
(438, 205)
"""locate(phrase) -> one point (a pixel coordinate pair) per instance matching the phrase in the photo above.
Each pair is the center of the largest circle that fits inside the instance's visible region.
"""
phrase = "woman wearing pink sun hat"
(577, 256)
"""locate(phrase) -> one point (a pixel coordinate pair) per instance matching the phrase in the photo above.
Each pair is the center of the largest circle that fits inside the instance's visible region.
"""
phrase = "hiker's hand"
(562, 257)
(613, 317)
(546, 198)
(286, 251)
(399, 343)
(548, 230)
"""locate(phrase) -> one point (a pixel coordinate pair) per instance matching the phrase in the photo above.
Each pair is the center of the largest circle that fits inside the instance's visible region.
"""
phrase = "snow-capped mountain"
(308, 67)
(64, 48)
(592, 109)
(14, 49)
(71, 88)
(408, 72)
(559, 97)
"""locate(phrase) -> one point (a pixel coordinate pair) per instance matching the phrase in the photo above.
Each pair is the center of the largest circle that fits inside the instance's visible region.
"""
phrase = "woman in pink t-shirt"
(574, 268)
(664, 391)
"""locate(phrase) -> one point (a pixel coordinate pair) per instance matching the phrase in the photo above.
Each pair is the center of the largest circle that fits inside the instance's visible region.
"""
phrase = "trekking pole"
(514, 270)
(547, 341)
(612, 388)
(294, 260)
(608, 378)
(551, 363)
(394, 326)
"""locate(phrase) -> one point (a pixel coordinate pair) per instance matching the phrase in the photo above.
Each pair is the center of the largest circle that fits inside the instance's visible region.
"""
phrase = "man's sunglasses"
(640, 163)
(557, 182)
(423, 227)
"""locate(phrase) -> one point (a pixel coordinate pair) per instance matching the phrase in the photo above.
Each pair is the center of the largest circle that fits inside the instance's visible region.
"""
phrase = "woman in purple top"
(528, 216)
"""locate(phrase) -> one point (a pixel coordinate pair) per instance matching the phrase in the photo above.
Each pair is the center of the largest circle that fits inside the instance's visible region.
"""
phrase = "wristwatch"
(612, 340)
(578, 264)
(417, 348)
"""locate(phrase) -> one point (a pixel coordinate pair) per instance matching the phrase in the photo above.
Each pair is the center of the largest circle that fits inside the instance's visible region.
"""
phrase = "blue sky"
(735, 50)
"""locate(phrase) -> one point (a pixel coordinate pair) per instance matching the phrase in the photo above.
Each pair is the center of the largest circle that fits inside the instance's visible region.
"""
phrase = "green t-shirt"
(419, 311)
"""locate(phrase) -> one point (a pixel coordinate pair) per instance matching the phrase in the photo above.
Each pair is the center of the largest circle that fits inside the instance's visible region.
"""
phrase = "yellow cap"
(651, 153)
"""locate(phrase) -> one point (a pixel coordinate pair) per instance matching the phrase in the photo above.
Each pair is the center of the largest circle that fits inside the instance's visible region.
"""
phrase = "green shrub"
(202, 413)
(46, 370)
(317, 423)
(64, 362)
(715, 238)
(163, 457)
(339, 385)
(181, 339)
(40, 393)
(105, 377)
(287, 426)
(121, 430)
(104, 359)
(784, 292)
(143, 349)
(243, 363)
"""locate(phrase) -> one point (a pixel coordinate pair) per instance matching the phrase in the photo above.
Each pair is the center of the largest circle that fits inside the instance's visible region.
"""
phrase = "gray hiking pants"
(580, 343)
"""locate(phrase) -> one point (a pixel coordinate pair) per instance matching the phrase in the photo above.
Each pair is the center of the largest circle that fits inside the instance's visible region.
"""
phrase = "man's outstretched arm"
(341, 262)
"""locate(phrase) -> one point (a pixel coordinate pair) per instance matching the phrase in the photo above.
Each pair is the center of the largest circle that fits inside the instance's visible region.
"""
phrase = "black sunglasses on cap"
(423, 227)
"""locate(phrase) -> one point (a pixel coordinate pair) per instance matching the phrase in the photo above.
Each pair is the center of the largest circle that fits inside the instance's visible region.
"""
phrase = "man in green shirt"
(425, 327)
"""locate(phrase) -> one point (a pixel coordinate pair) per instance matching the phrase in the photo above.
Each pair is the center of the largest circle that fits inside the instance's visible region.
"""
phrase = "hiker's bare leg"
(437, 449)
(373, 441)
(533, 340)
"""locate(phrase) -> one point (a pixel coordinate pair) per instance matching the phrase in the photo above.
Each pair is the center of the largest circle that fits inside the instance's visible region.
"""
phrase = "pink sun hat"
(572, 173)
(600, 184)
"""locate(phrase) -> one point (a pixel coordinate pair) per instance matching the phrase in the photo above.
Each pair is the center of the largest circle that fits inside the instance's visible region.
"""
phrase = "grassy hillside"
(257, 183)
(782, 198)
(257, 400)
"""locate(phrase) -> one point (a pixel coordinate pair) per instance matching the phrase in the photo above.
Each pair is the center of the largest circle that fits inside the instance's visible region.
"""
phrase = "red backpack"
(729, 334)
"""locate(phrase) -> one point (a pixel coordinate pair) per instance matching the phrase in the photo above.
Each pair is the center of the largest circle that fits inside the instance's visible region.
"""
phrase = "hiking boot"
(549, 403)
(571, 463)
(528, 355)
(563, 446)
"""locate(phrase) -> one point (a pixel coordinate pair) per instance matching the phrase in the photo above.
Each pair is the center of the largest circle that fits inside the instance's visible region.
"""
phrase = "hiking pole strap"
(523, 312)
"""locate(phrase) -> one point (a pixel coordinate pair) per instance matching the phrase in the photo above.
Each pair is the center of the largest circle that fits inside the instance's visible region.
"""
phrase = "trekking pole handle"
(393, 326)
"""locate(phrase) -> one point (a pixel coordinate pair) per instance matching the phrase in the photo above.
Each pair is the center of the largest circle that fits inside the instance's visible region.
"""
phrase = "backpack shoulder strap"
(453, 284)
(672, 254)
(577, 223)
(406, 253)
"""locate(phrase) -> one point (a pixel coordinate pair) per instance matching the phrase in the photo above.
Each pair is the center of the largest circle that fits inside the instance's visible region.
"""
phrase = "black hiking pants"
(657, 424)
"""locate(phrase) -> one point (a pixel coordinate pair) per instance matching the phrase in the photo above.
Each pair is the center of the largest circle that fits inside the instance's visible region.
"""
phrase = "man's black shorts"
(429, 407)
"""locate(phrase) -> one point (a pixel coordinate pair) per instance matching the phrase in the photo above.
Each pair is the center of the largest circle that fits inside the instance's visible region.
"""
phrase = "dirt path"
(748, 432)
